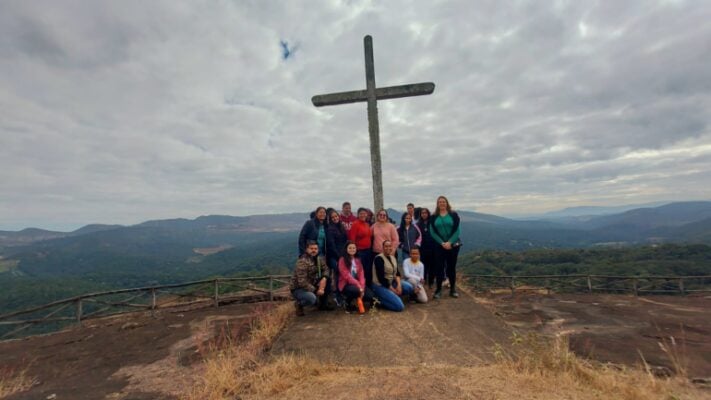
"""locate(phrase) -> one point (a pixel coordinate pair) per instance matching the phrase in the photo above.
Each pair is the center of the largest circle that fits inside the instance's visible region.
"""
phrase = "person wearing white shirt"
(415, 273)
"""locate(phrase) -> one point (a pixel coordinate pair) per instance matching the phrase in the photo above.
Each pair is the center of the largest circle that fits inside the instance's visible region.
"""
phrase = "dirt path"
(447, 331)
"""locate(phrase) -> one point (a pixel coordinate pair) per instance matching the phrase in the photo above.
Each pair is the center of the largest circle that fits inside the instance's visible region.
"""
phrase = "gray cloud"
(122, 112)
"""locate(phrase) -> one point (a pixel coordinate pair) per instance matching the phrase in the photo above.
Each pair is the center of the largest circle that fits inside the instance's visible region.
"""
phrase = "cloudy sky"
(123, 111)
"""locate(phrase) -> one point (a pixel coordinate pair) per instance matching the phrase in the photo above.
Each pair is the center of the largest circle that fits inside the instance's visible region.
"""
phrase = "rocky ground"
(665, 330)
(131, 357)
(144, 357)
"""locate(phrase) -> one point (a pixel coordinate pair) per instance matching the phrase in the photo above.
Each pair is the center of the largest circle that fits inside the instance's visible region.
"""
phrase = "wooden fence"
(637, 285)
(59, 314)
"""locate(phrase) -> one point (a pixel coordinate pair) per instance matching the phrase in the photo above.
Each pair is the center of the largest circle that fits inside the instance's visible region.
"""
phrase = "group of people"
(354, 258)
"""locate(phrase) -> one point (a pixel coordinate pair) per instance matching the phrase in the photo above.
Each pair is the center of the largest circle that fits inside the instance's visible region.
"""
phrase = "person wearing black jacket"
(314, 229)
(427, 247)
(336, 238)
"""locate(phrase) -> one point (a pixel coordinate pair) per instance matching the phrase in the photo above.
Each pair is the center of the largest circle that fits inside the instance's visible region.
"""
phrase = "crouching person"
(311, 284)
(351, 277)
(387, 285)
(415, 273)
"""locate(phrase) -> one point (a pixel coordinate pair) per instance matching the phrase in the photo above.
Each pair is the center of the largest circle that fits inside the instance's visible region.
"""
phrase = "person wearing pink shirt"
(383, 230)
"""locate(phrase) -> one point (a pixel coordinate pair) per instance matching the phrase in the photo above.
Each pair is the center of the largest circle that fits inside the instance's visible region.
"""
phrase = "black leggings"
(428, 259)
(446, 260)
(366, 258)
(351, 292)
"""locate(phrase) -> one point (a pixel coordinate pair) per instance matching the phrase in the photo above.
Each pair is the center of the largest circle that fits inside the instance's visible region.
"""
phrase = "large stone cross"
(372, 94)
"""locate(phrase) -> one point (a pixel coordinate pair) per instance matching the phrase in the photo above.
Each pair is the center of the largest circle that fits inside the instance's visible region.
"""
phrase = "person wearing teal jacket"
(444, 228)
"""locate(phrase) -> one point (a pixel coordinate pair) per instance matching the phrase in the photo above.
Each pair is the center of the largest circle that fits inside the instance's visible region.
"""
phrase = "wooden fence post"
(153, 301)
(217, 293)
(271, 288)
(513, 285)
(589, 284)
(681, 286)
(548, 286)
(476, 283)
(634, 286)
(79, 310)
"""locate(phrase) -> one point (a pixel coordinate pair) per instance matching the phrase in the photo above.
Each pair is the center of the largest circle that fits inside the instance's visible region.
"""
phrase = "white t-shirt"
(414, 271)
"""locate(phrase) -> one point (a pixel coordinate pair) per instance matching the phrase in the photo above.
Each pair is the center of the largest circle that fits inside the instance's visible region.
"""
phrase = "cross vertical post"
(373, 126)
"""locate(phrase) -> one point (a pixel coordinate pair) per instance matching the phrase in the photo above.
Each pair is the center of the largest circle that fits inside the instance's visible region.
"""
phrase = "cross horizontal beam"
(384, 93)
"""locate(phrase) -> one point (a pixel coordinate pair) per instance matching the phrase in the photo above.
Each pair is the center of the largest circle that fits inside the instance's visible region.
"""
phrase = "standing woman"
(336, 238)
(409, 234)
(444, 228)
(361, 235)
(383, 230)
(314, 229)
(427, 247)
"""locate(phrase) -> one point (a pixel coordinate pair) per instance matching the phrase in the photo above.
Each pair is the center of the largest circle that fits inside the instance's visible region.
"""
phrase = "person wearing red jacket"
(361, 235)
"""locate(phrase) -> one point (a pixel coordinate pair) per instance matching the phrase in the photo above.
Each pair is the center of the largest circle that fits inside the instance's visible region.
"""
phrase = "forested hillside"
(668, 259)
(39, 266)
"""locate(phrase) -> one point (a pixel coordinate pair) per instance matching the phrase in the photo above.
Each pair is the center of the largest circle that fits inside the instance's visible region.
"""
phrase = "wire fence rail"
(60, 314)
(637, 285)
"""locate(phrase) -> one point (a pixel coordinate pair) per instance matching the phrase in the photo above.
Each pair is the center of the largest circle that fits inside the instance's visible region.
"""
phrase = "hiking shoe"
(437, 295)
(454, 294)
(299, 309)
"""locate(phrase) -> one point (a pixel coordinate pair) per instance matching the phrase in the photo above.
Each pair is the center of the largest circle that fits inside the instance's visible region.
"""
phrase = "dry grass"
(531, 368)
(535, 357)
(14, 381)
(234, 370)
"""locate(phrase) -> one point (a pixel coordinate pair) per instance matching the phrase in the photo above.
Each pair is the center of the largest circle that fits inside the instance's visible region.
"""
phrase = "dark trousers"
(351, 292)
(446, 261)
(366, 258)
(333, 266)
(428, 259)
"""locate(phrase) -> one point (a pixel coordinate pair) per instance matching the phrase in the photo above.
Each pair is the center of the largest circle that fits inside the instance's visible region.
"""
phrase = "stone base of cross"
(371, 95)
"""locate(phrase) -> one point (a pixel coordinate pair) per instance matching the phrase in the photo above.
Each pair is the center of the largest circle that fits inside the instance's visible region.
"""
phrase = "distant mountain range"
(38, 266)
(583, 226)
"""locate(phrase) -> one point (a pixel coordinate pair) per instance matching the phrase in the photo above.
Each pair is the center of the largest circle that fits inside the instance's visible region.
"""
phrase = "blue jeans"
(388, 299)
(304, 297)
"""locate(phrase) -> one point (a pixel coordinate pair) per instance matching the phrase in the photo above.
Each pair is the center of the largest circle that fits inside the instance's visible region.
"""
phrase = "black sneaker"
(454, 294)
(437, 294)
(299, 309)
